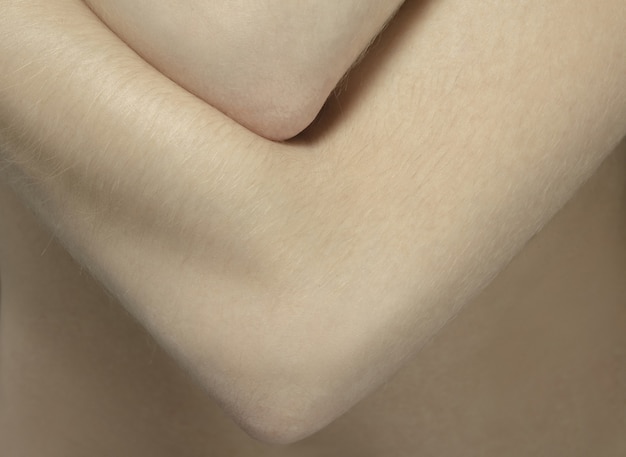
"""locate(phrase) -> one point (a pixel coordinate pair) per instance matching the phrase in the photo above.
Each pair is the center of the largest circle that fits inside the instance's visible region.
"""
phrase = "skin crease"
(519, 165)
(268, 64)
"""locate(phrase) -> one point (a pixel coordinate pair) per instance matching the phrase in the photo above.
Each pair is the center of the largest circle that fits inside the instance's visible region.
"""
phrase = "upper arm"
(293, 279)
(268, 64)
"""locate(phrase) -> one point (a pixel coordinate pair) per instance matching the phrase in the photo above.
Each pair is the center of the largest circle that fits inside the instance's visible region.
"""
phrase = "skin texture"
(285, 231)
(534, 365)
(268, 64)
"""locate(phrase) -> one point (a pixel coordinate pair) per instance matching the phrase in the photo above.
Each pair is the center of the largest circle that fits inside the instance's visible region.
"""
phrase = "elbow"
(285, 393)
(279, 424)
(281, 125)
(279, 111)
(293, 405)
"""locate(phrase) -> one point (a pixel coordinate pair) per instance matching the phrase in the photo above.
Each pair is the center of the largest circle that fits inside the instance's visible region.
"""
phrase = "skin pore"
(309, 257)
(268, 64)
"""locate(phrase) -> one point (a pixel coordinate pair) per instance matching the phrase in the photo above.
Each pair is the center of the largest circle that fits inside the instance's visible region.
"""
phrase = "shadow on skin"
(362, 76)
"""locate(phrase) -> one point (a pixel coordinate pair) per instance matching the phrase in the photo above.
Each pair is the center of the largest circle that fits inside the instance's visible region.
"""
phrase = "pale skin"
(285, 231)
(533, 365)
(268, 64)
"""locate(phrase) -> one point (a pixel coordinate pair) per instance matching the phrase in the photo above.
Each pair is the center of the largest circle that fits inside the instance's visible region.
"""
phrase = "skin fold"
(292, 280)
(268, 64)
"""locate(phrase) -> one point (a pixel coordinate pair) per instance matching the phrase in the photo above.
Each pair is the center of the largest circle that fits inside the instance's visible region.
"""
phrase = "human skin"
(533, 365)
(268, 64)
(284, 230)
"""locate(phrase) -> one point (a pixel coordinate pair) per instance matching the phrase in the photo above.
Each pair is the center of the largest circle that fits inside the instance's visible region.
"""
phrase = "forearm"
(294, 279)
(268, 64)
(142, 182)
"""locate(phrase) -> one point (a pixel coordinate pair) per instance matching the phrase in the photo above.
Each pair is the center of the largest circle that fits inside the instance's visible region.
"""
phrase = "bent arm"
(268, 64)
(293, 279)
